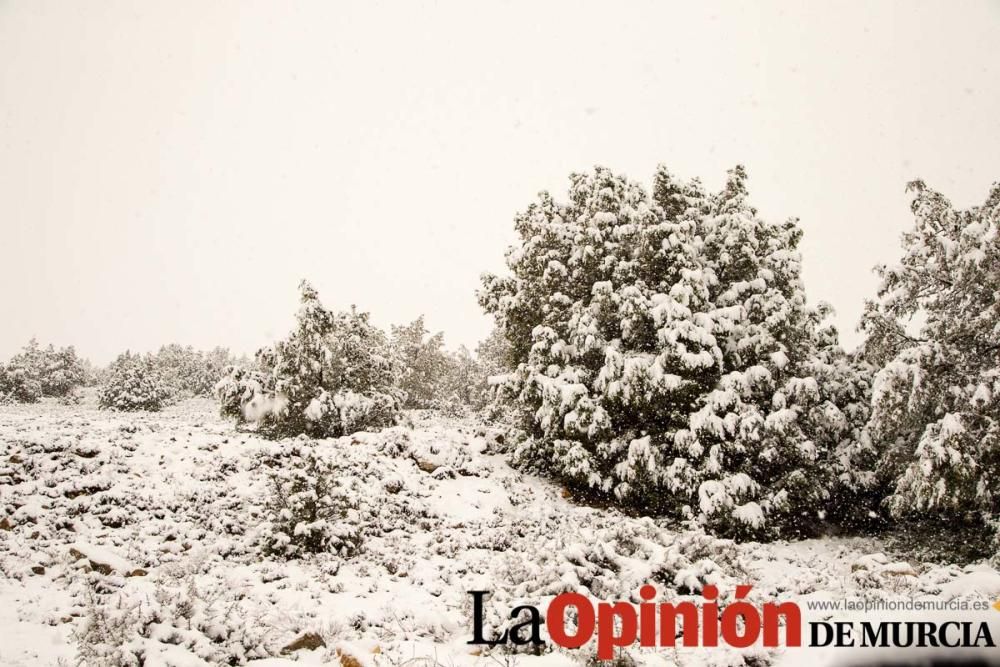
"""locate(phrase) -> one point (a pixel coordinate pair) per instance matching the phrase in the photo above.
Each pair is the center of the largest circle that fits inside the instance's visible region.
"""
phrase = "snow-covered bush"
(666, 355)
(63, 371)
(36, 372)
(243, 394)
(935, 421)
(191, 610)
(432, 377)
(423, 363)
(190, 372)
(333, 375)
(133, 383)
(309, 511)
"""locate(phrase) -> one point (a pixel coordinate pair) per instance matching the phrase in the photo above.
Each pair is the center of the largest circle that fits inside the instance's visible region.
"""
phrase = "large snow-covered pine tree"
(667, 356)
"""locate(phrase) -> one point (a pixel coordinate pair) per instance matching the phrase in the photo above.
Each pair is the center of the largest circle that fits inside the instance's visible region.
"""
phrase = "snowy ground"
(143, 527)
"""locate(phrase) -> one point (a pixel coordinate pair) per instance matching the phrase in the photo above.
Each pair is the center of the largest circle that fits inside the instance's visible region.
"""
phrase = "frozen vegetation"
(149, 538)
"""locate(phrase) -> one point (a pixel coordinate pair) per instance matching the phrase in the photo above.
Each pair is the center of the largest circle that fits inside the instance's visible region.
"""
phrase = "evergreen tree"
(190, 372)
(63, 371)
(35, 372)
(133, 382)
(333, 375)
(666, 355)
(423, 363)
(21, 377)
(935, 421)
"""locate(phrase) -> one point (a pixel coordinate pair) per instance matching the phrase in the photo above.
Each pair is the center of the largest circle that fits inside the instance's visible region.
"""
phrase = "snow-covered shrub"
(190, 372)
(36, 372)
(935, 421)
(199, 613)
(309, 511)
(17, 387)
(450, 406)
(242, 394)
(494, 359)
(666, 355)
(105, 631)
(133, 383)
(432, 377)
(423, 362)
(63, 371)
(333, 375)
(21, 377)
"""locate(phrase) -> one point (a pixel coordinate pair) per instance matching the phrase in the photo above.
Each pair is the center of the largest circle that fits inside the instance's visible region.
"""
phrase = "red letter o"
(555, 620)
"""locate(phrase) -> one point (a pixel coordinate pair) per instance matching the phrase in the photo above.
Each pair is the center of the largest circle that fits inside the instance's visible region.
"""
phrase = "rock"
(138, 572)
(103, 568)
(900, 569)
(869, 562)
(426, 466)
(15, 459)
(5, 524)
(38, 569)
(103, 560)
(393, 486)
(348, 660)
(310, 641)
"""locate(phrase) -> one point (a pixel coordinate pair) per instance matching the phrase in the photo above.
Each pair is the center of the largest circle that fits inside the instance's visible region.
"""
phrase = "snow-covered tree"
(493, 359)
(423, 363)
(35, 372)
(63, 371)
(333, 375)
(935, 329)
(191, 372)
(309, 511)
(133, 382)
(666, 355)
(21, 377)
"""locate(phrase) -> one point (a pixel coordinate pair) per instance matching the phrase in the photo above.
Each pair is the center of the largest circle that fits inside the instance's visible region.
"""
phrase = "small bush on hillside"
(309, 512)
(432, 377)
(36, 372)
(333, 375)
(189, 372)
(62, 371)
(133, 383)
(243, 394)
(422, 363)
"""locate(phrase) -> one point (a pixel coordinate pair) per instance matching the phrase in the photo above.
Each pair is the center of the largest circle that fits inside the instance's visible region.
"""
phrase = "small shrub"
(21, 377)
(309, 511)
(133, 383)
(17, 385)
(35, 372)
(332, 376)
(189, 372)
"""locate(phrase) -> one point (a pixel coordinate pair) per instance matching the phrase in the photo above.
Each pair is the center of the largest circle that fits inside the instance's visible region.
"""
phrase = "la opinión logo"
(571, 620)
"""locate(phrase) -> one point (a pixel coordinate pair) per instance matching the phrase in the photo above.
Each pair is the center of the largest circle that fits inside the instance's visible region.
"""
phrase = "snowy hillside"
(133, 539)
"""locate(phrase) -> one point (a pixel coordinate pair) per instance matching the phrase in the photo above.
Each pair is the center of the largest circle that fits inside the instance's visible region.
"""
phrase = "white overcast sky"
(169, 171)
